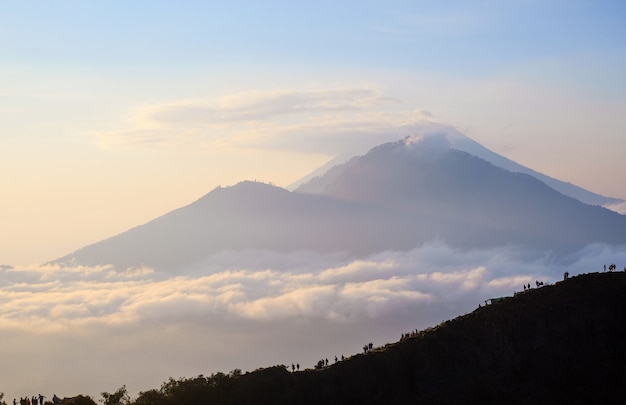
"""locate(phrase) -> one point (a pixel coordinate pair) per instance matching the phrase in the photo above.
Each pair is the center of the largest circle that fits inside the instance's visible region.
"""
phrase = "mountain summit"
(464, 199)
(443, 138)
(396, 197)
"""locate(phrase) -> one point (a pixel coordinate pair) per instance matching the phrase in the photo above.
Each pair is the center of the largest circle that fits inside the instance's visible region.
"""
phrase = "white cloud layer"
(243, 310)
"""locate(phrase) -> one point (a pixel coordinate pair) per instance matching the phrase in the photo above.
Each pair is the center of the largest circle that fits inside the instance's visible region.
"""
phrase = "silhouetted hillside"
(563, 343)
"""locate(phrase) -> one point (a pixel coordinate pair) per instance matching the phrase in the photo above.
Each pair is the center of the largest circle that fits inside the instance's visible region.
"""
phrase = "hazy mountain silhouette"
(466, 200)
(249, 215)
(453, 139)
(396, 197)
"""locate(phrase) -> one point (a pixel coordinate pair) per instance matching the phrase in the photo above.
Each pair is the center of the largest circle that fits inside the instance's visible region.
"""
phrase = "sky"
(113, 113)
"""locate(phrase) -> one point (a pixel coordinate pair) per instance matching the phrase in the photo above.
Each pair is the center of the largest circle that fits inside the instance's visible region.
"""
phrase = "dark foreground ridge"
(562, 343)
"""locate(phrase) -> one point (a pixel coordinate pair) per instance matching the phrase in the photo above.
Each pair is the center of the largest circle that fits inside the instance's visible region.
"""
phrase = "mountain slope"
(461, 142)
(563, 343)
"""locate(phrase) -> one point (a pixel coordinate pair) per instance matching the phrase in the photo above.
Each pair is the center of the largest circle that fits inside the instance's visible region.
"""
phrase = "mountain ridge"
(398, 196)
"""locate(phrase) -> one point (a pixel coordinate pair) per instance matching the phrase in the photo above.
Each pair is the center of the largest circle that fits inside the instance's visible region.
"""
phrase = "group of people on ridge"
(36, 400)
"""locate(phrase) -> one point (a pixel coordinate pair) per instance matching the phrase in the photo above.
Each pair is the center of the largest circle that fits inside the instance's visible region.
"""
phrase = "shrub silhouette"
(119, 397)
(77, 400)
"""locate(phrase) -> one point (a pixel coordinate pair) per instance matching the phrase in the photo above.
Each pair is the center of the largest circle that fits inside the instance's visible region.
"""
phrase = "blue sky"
(466, 38)
(113, 113)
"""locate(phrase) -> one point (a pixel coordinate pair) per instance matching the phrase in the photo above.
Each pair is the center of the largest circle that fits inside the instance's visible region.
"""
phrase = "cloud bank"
(243, 310)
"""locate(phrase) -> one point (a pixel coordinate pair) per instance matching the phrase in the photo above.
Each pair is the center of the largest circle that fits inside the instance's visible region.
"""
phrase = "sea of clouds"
(85, 330)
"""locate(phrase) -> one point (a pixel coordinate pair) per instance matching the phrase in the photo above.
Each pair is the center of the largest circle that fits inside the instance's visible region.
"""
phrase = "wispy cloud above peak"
(281, 119)
(254, 106)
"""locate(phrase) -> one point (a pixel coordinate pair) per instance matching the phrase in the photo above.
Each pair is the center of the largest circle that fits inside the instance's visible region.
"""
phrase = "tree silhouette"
(119, 397)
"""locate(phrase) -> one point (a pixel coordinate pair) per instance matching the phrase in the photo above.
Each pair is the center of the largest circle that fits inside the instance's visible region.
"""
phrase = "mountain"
(396, 197)
(466, 200)
(249, 215)
(453, 139)
(562, 343)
